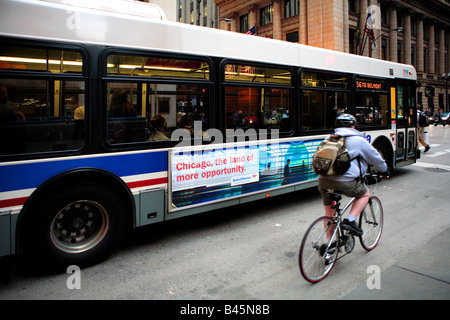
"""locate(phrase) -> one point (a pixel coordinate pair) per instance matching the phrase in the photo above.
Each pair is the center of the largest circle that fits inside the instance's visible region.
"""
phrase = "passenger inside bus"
(78, 114)
(7, 112)
(120, 106)
(186, 123)
(159, 125)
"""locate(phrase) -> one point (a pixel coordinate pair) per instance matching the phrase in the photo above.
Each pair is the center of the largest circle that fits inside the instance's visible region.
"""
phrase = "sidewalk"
(424, 274)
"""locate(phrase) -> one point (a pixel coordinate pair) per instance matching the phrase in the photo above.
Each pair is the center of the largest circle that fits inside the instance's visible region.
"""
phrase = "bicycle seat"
(334, 196)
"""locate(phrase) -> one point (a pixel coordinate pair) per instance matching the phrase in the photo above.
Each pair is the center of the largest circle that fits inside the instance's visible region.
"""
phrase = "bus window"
(40, 59)
(324, 80)
(371, 103)
(45, 116)
(50, 112)
(320, 108)
(324, 96)
(266, 106)
(157, 67)
(159, 97)
(257, 108)
(155, 110)
(256, 74)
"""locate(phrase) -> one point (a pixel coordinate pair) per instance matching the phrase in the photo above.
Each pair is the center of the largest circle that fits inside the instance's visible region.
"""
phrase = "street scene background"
(250, 252)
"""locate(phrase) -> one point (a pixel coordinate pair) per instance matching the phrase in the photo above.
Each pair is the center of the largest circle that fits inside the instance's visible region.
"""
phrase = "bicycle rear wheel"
(371, 222)
(317, 257)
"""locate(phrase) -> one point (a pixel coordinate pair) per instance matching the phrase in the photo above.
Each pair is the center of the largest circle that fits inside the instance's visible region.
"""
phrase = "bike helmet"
(345, 120)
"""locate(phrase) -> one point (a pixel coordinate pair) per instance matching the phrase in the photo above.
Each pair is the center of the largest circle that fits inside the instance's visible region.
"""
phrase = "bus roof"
(121, 23)
(129, 7)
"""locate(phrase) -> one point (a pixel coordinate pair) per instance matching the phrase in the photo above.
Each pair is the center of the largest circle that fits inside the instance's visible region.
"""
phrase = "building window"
(243, 23)
(399, 19)
(292, 37)
(413, 55)
(266, 15)
(352, 41)
(413, 26)
(352, 5)
(399, 52)
(384, 49)
(291, 8)
(384, 15)
(436, 62)
(425, 61)
(446, 62)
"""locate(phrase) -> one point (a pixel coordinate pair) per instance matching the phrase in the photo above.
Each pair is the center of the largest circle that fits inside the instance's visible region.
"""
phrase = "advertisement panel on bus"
(213, 174)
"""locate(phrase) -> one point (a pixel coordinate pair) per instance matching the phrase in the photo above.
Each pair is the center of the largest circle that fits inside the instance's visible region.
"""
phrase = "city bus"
(114, 120)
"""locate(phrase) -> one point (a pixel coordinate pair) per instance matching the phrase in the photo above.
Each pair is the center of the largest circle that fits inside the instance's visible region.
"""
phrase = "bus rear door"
(403, 106)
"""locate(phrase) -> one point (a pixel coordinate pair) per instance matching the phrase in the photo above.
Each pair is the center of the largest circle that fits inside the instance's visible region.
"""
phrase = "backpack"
(423, 120)
(331, 157)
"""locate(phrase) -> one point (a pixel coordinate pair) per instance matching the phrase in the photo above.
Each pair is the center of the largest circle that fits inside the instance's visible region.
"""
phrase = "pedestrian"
(351, 183)
(438, 118)
(422, 123)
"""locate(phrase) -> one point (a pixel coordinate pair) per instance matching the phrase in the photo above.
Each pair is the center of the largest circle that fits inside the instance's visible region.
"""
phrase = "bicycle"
(326, 237)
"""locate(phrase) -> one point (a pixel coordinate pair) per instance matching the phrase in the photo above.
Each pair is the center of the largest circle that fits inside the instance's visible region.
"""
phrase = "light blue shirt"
(358, 147)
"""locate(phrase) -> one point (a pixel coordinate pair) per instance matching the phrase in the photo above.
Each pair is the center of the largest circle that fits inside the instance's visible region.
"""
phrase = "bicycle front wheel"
(317, 254)
(371, 222)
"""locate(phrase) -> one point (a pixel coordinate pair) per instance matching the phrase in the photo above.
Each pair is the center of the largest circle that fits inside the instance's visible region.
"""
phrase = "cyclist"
(351, 182)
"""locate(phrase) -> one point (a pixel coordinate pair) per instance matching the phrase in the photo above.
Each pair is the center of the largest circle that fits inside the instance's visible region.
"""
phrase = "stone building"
(422, 40)
(198, 12)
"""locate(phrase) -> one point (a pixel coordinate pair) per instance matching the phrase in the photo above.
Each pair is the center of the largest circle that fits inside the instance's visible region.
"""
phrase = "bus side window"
(45, 116)
(157, 111)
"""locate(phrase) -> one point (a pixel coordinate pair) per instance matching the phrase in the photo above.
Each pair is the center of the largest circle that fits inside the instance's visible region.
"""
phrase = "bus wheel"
(77, 225)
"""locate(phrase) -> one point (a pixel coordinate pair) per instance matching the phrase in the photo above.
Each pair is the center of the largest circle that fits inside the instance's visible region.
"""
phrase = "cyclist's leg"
(329, 211)
(359, 204)
(361, 194)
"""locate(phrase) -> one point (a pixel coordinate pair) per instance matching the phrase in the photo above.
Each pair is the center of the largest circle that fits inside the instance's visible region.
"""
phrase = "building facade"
(198, 12)
(413, 32)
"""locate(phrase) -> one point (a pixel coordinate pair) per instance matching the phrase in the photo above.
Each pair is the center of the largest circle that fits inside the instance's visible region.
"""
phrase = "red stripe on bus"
(138, 184)
(146, 183)
(13, 202)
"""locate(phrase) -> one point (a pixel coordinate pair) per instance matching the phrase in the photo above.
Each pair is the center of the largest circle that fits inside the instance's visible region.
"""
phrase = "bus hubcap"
(79, 226)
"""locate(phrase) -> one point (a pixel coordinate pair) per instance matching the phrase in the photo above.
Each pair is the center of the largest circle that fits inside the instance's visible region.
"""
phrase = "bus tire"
(78, 224)
(384, 154)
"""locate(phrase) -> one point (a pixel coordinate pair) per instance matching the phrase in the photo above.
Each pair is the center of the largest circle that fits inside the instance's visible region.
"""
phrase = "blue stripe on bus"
(32, 175)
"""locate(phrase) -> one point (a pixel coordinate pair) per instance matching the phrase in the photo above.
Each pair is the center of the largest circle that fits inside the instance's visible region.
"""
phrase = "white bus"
(92, 100)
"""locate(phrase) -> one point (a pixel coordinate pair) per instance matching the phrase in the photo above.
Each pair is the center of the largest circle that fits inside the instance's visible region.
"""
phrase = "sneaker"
(427, 148)
(352, 227)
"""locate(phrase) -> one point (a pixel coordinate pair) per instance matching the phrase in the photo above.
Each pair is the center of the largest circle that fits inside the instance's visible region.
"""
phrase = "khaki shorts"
(349, 188)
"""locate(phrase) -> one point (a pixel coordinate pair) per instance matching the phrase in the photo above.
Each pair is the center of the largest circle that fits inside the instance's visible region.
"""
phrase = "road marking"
(436, 154)
(431, 165)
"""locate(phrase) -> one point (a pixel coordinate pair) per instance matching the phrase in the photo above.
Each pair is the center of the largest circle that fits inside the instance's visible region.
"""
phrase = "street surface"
(251, 252)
